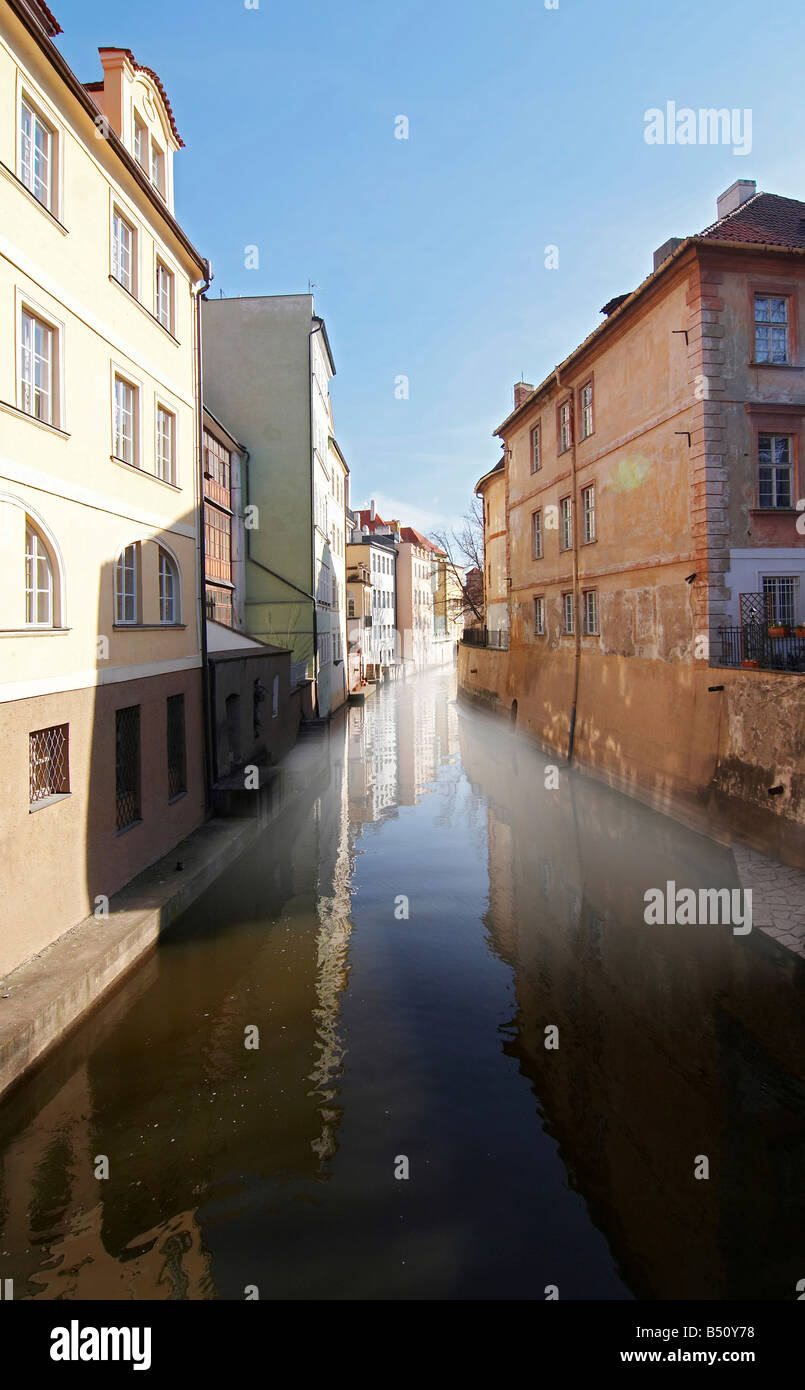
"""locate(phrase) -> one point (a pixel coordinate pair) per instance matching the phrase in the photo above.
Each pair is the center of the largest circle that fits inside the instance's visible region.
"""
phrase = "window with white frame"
(782, 593)
(125, 421)
(536, 535)
(587, 410)
(37, 368)
(37, 155)
(539, 616)
(565, 524)
(772, 341)
(565, 427)
(140, 142)
(536, 448)
(168, 588)
(158, 167)
(127, 583)
(39, 607)
(588, 512)
(591, 612)
(774, 456)
(164, 296)
(568, 624)
(166, 437)
(124, 250)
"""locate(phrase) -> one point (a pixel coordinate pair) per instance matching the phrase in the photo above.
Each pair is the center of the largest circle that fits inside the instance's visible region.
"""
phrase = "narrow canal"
(407, 941)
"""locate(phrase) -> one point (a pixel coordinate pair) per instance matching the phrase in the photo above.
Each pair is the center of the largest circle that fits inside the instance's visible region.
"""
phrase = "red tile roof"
(365, 519)
(139, 67)
(416, 538)
(764, 220)
(50, 23)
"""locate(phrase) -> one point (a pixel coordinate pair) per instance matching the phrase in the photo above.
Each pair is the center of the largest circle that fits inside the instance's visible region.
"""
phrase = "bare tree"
(464, 549)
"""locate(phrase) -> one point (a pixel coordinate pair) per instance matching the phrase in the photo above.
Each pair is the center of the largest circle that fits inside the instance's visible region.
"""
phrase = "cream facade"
(100, 639)
(491, 488)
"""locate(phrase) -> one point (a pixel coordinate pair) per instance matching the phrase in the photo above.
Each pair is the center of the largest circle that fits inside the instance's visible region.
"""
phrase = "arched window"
(39, 605)
(169, 611)
(127, 584)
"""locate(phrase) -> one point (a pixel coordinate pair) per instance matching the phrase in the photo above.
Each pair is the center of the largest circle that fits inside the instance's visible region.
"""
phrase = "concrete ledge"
(41, 1000)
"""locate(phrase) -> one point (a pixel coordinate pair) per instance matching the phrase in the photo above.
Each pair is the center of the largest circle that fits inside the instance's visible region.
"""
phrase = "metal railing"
(753, 646)
(497, 639)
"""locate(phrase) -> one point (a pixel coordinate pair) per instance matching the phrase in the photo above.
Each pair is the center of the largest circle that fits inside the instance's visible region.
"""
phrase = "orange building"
(651, 528)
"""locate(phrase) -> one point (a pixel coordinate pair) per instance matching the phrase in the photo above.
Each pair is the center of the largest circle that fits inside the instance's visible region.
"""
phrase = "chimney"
(522, 390)
(736, 195)
(372, 510)
(667, 249)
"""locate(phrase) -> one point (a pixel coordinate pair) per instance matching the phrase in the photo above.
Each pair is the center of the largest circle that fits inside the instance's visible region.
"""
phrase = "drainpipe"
(198, 289)
(318, 325)
(577, 615)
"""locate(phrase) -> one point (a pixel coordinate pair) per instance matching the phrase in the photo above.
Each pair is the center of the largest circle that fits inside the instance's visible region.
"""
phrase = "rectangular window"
(567, 613)
(38, 581)
(588, 512)
(536, 448)
(539, 617)
(140, 142)
(158, 167)
(168, 596)
(166, 432)
(49, 763)
(350, 608)
(774, 454)
(164, 296)
(587, 410)
(127, 766)
(37, 156)
(536, 535)
(565, 524)
(123, 252)
(591, 612)
(176, 749)
(217, 543)
(275, 697)
(217, 464)
(565, 427)
(126, 584)
(782, 593)
(772, 342)
(125, 442)
(37, 344)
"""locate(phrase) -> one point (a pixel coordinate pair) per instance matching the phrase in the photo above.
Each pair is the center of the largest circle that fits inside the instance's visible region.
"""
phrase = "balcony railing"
(754, 646)
(498, 639)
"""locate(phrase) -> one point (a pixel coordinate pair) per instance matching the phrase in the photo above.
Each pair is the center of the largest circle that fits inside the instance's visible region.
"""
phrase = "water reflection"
(424, 1036)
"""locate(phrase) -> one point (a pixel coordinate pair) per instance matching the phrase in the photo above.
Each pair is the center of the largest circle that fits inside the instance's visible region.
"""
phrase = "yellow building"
(100, 637)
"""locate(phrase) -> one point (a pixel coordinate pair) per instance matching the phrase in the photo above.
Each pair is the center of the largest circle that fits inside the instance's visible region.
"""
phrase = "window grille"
(127, 766)
(177, 756)
(49, 755)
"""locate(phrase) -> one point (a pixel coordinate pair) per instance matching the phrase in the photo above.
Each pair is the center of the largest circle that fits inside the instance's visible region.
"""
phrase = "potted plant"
(778, 629)
(799, 630)
(753, 665)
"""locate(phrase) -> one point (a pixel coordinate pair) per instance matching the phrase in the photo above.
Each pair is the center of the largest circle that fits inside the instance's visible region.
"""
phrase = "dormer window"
(140, 143)
(158, 167)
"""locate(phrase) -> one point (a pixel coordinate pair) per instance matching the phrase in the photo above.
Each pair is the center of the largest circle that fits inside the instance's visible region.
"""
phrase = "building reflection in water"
(230, 1166)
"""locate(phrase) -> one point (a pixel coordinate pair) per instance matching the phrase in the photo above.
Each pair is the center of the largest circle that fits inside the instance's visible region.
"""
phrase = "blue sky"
(525, 130)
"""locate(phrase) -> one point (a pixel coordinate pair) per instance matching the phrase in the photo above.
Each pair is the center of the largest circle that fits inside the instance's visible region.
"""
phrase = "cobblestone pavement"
(778, 897)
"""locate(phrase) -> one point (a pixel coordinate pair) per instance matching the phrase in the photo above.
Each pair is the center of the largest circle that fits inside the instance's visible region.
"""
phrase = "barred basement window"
(177, 757)
(127, 766)
(49, 761)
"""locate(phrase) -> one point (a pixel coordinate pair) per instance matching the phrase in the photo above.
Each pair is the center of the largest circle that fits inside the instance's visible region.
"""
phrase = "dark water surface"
(382, 1037)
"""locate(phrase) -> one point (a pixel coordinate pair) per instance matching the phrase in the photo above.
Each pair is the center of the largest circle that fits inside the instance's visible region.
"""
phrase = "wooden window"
(565, 524)
(567, 613)
(536, 534)
(168, 589)
(772, 328)
(166, 437)
(775, 469)
(588, 513)
(164, 296)
(536, 448)
(539, 617)
(37, 368)
(38, 580)
(124, 252)
(587, 410)
(591, 612)
(140, 142)
(126, 415)
(158, 167)
(218, 543)
(565, 429)
(127, 584)
(37, 155)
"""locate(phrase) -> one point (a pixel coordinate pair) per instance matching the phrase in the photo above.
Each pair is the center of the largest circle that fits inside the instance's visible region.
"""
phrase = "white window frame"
(36, 551)
(41, 114)
(160, 264)
(118, 374)
(535, 446)
(539, 615)
(566, 523)
(590, 630)
(565, 434)
(537, 535)
(156, 153)
(140, 128)
(777, 579)
(588, 514)
(160, 407)
(587, 410)
(133, 592)
(770, 325)
(568, 612)
(168, 565)
(133, 287)
(774, 468)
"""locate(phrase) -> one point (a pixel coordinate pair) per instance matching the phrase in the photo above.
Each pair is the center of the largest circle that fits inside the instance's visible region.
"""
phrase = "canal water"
(450, 975)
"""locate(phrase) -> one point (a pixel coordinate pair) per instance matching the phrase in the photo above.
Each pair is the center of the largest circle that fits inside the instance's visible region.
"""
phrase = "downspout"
(198, 289)
(577, 614)
(319, 324)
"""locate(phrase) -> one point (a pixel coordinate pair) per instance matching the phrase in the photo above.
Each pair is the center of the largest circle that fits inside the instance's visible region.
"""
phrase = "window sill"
(180, 796)
(51, 216)
(135, 468)
(592, 541)
(136, 300)
(26, 415)
(774, 511)
(48, 801)
(132, 825)
(34, 631)
(149, 627)
(777, 366)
